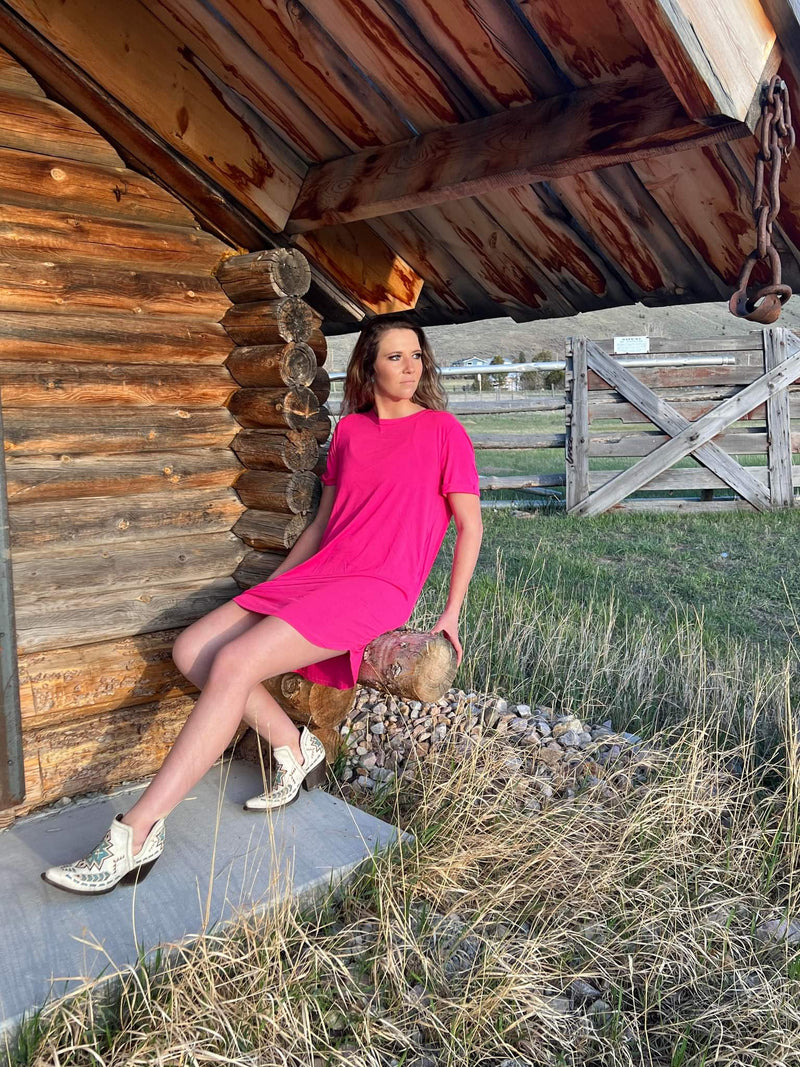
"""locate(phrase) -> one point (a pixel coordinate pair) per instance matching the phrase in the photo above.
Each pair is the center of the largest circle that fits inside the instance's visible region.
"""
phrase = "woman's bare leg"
(266, 648)
(194, 653)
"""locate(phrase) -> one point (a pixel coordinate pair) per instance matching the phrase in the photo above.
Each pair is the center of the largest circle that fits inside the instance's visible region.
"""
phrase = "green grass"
(735, 570)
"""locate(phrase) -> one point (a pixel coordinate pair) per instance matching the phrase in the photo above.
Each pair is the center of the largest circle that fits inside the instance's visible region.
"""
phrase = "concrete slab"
(218, 860)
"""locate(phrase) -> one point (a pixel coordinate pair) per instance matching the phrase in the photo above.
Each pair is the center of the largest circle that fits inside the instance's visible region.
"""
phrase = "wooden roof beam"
(583, 130)
(714, 53)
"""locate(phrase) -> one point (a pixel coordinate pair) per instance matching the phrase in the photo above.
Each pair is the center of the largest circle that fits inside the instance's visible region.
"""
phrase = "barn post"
(779, 434)
(12, 777)
(576, 384)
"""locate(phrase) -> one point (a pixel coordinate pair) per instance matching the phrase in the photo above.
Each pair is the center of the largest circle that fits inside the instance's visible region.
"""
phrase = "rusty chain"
(777, 142)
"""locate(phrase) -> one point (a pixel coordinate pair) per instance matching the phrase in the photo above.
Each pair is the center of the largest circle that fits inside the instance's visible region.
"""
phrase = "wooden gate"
(691, 412)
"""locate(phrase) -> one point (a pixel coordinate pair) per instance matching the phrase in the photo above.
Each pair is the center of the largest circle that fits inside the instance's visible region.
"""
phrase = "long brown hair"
(359, 389)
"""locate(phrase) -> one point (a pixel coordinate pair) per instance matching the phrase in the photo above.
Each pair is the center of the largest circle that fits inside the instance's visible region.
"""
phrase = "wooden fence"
(712, 414)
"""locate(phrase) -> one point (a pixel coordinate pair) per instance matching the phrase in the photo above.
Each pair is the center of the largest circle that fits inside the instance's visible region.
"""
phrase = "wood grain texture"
(665, 417)
(582, 130)
(136, 58)
(64, 685)
(277, 272)
(296, 491)
(52, 430)
(15, 78)
(231, 59)
(95, 754)
(357, 257)
(137, 566)
(109, 520)
(695, 434)
(100, 385)
(269, 531)
(274, 408)
(35, 124)
(293, 363)
(276, 450)
(41, 232)
(30, 336)
(317, 68)
(65, 288)
(33, 179)
(66, 477)
(712, 52)
(77, 618)
(577, 435)
(779, 426)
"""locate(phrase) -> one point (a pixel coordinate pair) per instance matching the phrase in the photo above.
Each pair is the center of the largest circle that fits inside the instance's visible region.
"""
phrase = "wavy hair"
(359, 390)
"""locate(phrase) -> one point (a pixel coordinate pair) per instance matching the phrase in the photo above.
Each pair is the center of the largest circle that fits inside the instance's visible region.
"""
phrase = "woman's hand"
(448, 625)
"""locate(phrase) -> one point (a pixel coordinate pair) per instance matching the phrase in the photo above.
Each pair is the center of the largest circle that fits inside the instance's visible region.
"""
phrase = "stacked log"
(278, 364)
(117, 440)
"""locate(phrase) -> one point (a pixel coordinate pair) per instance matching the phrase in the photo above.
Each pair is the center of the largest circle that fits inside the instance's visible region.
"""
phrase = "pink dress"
(387, 525)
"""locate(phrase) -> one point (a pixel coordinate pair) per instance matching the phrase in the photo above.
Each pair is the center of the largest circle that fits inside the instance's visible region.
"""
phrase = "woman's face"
(398, 364)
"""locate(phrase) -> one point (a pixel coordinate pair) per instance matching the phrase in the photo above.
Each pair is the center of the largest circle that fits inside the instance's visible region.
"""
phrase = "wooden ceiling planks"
(234, 61)
(707, 207)
(449, 286)
(503, 269)
(542, 226)
(628, 225)
(299, 50)
(392, 52)
(374, 274)
(488, 49)
(588, 42)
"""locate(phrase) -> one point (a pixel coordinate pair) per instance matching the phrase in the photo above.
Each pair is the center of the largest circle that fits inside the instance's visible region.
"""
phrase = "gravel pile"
(385, 738)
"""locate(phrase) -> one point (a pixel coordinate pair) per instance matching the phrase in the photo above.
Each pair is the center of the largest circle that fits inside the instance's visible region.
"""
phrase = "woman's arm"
(307, 544)
(466, 508)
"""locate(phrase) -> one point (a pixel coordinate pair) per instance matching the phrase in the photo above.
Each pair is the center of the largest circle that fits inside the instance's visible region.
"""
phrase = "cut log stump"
(409, 664)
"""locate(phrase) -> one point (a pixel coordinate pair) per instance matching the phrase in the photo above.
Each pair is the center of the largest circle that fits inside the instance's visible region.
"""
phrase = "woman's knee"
(229, 665)
(185, 651)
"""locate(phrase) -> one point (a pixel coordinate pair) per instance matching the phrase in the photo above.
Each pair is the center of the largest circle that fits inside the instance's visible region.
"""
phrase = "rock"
(377, 728)
(569, 738)
(334, 1019)
(368, 761)
(381, 774)
(582, 990)
(523, 710)
(779, 930)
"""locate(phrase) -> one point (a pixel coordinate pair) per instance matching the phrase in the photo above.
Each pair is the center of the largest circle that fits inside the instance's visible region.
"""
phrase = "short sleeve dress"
(388, 522)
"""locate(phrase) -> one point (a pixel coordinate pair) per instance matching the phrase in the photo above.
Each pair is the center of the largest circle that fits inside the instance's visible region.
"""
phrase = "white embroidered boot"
(290, 776)
(110, 863)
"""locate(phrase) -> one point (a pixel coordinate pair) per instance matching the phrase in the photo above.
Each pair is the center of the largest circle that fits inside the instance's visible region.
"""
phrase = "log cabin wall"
(117, 440)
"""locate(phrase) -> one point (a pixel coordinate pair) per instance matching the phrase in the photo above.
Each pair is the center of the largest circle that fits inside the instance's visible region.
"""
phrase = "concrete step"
(218, 860)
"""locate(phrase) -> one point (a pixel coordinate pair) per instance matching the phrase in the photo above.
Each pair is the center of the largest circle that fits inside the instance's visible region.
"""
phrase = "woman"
(399, 467)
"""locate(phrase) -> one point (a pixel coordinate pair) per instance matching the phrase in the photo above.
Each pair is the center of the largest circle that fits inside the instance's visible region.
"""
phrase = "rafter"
(583, 130)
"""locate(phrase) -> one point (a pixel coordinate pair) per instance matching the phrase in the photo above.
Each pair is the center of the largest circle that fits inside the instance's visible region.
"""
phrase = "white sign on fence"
(624, 345)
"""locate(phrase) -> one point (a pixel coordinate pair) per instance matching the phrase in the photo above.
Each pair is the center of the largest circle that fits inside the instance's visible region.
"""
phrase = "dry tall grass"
(647, 920)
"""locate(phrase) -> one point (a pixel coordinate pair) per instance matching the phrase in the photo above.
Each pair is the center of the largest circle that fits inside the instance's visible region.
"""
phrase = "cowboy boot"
(110, 863)
(290, 776)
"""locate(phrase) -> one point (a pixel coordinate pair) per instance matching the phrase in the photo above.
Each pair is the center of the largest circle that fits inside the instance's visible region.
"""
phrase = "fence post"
(779, 434)
(576, 384)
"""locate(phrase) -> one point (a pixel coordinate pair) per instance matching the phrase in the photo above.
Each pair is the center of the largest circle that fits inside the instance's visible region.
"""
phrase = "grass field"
(665, 889)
